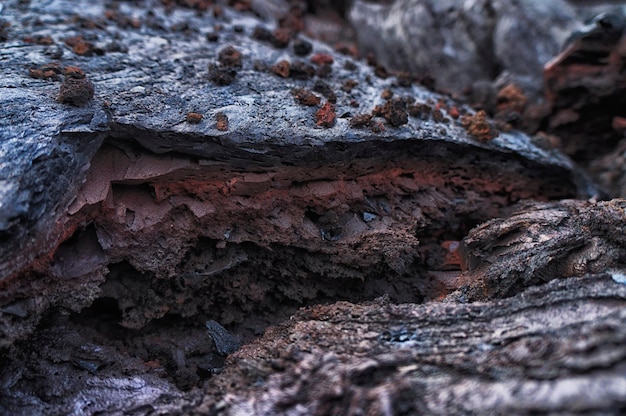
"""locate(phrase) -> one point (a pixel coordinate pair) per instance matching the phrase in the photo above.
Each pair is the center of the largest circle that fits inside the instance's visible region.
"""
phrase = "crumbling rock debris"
(269, 156)
(584, 87)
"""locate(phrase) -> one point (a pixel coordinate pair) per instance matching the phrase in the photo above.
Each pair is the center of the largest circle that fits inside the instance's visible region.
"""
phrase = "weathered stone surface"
(273, 179)
(131, 218)
(467, 45)
(557, 348)
(562, 66)
(539, 243)
(584, 86)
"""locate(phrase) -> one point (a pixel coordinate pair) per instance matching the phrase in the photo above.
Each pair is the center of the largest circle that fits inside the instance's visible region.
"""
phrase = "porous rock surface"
(193, 191)
(115, 172)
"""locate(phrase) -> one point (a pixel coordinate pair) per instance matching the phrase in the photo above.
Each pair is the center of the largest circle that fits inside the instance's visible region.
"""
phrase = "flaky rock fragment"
(541, 242)
(585, 86)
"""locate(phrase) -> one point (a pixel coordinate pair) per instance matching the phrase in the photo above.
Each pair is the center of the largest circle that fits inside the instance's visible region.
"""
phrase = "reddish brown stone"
(82, 47)
(221, 121)
(194, 118)
(387, 94)
(74, 72)
(421, 110)
(437, 115)
(377, 127)
(281, 69)
(322, 59)
(35, 73)
(349, 84)
(360, 120)
(293, 19)
(301, 70)
(75, 91)
(281, 38)
(39, 40)
(511, 97)
(305, 97)
(325, 116)
(230, 57)
(479, 127)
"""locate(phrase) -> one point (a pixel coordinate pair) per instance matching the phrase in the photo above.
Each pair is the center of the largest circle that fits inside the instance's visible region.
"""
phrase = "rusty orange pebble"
(325, 116)
(194, 118)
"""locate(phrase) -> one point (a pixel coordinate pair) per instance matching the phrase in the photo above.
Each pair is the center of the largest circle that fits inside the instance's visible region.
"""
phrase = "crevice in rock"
(159, 244)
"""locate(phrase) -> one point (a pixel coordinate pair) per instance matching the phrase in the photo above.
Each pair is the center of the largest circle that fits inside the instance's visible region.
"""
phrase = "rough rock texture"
(466, 45)
(585, 87)
(534, 65)
(541, 242)
(159, 180)
(164, 200)
(555, 349)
